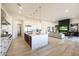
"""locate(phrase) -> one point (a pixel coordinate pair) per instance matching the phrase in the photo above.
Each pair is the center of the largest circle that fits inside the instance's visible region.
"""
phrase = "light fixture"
(67, 11)
(19, 12)
(72, 16)
(19, 5)
(20, 8)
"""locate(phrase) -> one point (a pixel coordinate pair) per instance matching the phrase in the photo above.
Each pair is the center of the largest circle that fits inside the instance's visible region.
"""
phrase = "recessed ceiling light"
(20, 8)
(20, 12)
(72, 16)
(66, 11)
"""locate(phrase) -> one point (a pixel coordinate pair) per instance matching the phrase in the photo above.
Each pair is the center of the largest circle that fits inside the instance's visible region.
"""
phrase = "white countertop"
(34, 34)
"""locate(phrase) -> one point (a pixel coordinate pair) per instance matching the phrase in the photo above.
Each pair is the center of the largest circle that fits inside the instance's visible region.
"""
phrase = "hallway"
(56, 47)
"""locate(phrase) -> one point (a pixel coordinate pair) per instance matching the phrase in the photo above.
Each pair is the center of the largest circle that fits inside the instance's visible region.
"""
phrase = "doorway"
(19, 30)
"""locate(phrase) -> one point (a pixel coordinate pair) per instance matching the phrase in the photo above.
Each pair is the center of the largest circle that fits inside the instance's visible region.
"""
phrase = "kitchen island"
(36, 41)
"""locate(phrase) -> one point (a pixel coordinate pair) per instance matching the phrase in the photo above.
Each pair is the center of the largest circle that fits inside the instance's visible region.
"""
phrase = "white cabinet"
(0, 48)
(5, 44)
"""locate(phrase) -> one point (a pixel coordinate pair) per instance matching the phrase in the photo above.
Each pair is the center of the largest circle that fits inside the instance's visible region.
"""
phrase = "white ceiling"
(47, 11)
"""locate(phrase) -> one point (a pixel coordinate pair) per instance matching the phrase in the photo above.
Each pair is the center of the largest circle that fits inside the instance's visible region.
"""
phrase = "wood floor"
(56, 47)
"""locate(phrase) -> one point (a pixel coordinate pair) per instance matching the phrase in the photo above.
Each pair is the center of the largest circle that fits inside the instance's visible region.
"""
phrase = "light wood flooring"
(56, 47)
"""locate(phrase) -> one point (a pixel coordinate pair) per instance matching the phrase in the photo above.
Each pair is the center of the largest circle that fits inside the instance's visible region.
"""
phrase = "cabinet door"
(0, 46)
(4, 46)
(0, 50)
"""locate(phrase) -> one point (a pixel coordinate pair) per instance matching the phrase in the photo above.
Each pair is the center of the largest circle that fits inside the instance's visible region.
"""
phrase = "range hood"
(4, 21)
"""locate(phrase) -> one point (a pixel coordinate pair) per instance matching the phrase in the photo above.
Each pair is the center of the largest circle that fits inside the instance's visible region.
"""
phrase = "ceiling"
(43, 11)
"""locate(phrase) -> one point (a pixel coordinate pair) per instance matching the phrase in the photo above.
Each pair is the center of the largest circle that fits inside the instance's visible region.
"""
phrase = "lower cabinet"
(5, 43)
(28, 39)
(0, 46)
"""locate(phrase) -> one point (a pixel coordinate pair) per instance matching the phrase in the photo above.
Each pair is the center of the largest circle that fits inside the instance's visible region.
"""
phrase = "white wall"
(74, 21)
(45, 24)
(15, 27)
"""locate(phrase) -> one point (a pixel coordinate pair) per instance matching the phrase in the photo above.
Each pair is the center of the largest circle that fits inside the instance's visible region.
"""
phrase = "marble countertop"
(34, 34)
